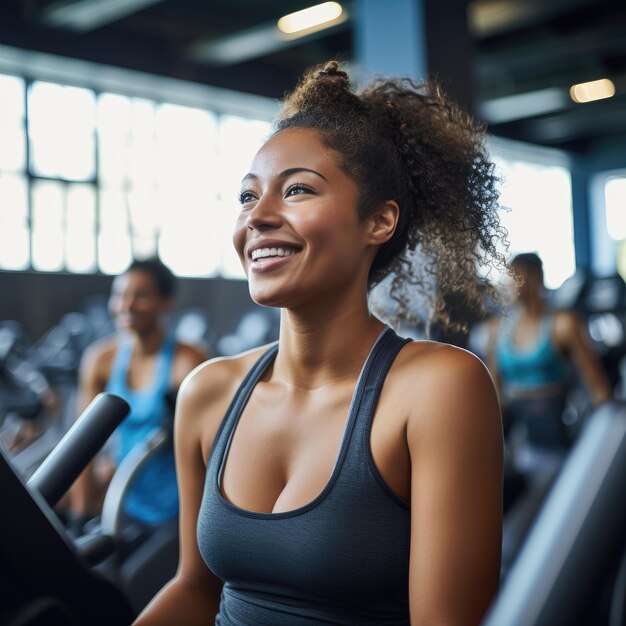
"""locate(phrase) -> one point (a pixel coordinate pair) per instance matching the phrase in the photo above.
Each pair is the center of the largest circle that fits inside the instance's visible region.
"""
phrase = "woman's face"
(298, 234)
(135, 301)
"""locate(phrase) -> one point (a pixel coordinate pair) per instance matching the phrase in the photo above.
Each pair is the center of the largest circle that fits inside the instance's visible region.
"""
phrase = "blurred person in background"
(531, 352)
(144, 364)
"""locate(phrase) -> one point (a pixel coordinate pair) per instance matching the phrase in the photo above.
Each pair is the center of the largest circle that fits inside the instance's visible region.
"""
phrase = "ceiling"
(526, 53)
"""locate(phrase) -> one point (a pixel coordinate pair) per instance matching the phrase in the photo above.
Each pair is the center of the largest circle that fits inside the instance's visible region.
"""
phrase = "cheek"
(329, 228)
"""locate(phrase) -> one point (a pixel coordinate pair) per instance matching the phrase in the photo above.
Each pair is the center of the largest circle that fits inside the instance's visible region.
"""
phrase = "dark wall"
(39, 300)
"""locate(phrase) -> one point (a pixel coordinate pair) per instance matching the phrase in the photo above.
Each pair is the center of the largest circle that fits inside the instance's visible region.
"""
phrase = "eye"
(297, 189)
(246, 196)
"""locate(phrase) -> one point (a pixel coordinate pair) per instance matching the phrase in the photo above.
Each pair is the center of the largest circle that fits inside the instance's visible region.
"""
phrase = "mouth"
(259, 254)
(267, 258)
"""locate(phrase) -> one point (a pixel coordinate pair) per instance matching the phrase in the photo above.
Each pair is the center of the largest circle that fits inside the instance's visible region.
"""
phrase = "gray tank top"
(341, 559)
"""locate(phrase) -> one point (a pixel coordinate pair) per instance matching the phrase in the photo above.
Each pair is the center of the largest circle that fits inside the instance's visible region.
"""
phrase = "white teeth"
(261, 253)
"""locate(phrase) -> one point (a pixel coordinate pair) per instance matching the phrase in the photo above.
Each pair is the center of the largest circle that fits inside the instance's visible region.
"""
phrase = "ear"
(382, 223)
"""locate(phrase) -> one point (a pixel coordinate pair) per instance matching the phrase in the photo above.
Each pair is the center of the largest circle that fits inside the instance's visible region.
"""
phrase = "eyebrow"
(285, 173)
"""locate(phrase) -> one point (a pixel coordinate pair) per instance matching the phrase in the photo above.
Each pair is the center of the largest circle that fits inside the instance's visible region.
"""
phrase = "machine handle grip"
(79, 445)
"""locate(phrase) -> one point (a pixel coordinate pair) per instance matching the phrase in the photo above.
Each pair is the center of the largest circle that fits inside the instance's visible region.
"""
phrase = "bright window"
(115, 177)
(537, 201)
(14, 233)
(61, 131)
(615, 202)
(12, 143)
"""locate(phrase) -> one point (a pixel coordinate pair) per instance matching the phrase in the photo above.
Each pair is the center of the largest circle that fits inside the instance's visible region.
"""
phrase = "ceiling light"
(594, 90)
(313, 18)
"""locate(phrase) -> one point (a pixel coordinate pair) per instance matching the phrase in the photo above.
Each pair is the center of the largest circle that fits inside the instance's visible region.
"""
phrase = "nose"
(265, 215)
(127, 302)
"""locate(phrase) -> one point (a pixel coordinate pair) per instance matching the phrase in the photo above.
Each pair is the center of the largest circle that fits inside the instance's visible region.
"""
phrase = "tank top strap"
(164, 365)
(121, 361)
(506, 331)
(370, 387)
(237, 405)
(546, 327)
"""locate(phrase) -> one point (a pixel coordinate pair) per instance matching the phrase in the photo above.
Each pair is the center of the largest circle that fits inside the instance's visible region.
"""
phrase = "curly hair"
(406, 142)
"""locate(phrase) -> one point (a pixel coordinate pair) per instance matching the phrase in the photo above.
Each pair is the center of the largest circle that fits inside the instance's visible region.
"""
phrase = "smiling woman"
(346, 475)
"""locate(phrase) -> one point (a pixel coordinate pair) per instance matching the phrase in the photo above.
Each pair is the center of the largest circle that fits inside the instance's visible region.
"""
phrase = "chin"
(278, 299)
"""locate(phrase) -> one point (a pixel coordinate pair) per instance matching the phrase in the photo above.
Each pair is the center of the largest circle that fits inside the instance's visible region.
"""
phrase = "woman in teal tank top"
(534, 354)
(142, 363)
(345, 475)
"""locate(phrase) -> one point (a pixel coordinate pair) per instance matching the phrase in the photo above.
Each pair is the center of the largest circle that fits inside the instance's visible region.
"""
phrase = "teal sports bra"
(529, 367)
(153, 498)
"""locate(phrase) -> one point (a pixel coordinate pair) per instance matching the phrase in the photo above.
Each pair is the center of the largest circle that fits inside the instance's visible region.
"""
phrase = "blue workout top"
(529, 367)
(341, 559)
(154, 496)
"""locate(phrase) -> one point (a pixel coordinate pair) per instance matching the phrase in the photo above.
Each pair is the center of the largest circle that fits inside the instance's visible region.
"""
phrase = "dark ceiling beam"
(596, 119)
(83, 16)
(551, 53)
(451, 63)
(489, 18)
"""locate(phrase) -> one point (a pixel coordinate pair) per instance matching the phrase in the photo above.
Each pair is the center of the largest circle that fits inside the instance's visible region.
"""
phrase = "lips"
(271, 249)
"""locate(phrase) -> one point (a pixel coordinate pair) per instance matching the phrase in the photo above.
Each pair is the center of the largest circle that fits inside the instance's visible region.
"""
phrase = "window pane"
(615, 198)
(113, 138)
(80, 229)
(14, 245)
(188, 243)
(186, 146)
(144, 221)
(141, 150)
(539, 217)
(114, 252)
(47, 225)
(61, 131)
(187, 175)
(12, 136)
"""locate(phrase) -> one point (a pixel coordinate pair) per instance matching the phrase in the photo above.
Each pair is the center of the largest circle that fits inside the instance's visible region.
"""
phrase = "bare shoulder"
(208, 390)
(186, 359)
(566, 322)
(450, 389)
(98, 357)
(433, 361)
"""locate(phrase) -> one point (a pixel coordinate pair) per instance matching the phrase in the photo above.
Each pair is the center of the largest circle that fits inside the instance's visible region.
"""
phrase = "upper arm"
(194, 417)
(455, 444)
(572, 335)
(92, 376)
(188, 357)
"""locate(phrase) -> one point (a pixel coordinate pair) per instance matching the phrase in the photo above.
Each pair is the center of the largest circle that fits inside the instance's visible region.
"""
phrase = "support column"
(416, 38)
(581, 207)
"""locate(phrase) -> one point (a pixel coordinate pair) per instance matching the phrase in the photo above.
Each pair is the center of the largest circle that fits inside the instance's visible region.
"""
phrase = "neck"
(324, 343)
(533, 305)
(148, 342)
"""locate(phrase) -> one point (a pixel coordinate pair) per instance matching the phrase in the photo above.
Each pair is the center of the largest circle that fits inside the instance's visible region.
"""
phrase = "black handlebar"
(79, 445)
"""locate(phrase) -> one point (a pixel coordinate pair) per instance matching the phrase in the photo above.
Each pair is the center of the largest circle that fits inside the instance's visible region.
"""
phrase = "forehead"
(293, 147)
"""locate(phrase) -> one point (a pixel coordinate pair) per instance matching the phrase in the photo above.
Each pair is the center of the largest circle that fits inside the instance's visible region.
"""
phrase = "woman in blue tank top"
(143, 364)
(532, 352)
(345, 475)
